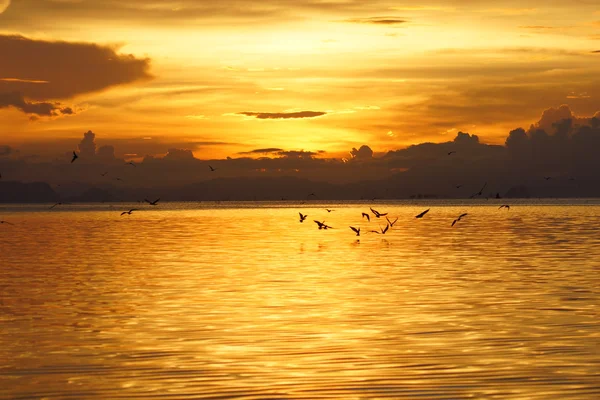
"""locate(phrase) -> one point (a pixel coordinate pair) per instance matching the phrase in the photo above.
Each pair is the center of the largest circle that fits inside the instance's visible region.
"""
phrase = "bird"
(480, 191)
(390, 222)
(357, 230)
(302, 217)
(6, 222)
(75, 157)
(504, 206)
(422, 214)
(328, 210)
(377, 213)
(322, 225)
(365, 215)
(118, 179)
(152, 203)
(311, 194)
(459, 218)
(57, 204)
(212, 169)
(104, 174)
(547, 178)
(129, 212)
(459, 186)
(130, 163)
(451, 152)
(382, 230)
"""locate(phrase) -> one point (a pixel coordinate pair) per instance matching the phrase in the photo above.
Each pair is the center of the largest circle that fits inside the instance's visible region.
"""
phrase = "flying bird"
(390, 222)
(311, 194)
(328, 210)
(130, 163)
(152, 203)
(459, 218)
(129, 212)
(57, 204)
(547, 178)
(480, 191)
(383, 230)
(302, 217)
(118, 179)
(422, 214)
(365, 215)
(356, 230)
(211, 168)
(459, 186)
(377, 213)
(504, 206)
(75, 157)
(451, 152)
(322, 225)
(10, 223)
(104, 174)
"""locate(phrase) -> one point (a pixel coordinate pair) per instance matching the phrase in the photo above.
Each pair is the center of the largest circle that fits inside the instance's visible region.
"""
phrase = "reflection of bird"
(504, 206)
(478, 193)
(57, 204)
(130, 163)
(128, 212)
(451, 152)
(390, 222)
(152, 203)
(357, 230)
(75, 157)
(322, 225)
(212, 169)
(302, 217)
(422, 214)
(365, 215)
(377, 213)
(459, 218)
(328, 210)
(6, 222)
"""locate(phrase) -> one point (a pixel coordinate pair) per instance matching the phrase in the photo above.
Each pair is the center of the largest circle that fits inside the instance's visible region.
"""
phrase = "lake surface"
(241, 301)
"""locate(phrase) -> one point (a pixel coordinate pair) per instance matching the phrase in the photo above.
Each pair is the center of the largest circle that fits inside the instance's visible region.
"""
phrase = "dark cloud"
(283, 115)
(364, 153)
(179, 155)
(377, 21)
(45, 109)
(268, 150)
(68, 69)
(596, 51)
(5, 150)
(87, 146)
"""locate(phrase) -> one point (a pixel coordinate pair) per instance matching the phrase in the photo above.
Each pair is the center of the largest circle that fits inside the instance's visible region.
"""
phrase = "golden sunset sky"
(228, 76)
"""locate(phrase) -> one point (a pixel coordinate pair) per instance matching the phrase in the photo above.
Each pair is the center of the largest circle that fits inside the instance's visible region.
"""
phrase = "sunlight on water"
(242, 301)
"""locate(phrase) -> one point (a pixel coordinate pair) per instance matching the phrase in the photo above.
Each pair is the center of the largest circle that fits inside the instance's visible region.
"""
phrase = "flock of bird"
(389, 223)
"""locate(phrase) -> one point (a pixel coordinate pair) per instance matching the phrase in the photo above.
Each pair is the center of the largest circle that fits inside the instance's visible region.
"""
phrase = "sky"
(228, 78)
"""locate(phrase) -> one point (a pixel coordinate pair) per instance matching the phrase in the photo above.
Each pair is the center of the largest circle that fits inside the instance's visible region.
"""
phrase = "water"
(241, 301)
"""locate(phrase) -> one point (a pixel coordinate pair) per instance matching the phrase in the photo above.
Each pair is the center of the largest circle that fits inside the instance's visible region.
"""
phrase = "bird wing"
(156, 201)
(462, 215)
(385, 229)
(147, 201)
(454, 222)
(355, 230)
(124, 212)
(374, 212)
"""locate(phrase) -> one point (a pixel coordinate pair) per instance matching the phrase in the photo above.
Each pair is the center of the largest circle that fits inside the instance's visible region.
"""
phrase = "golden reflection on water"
(219, 302)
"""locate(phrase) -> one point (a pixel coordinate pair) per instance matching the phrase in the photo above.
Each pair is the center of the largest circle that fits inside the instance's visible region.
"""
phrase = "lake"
(241, 301)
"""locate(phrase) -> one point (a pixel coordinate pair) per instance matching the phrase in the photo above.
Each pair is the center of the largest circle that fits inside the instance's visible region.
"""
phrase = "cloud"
(377, 21)
(596, 51)
(87, 146)
(4, 4)
(46, 109)
(68, 70)
(283, 115)
(364, 153)
(268, 150)
(179, 155)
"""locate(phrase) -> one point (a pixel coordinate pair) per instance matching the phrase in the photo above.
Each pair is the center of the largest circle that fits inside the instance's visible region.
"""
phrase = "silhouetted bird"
(459, 218)
(504, 206)
(302, 217)
(104, 174)
(547, 178)
(423, 213)
(365, 215)
(322, 225)
(152, 203)
(377, 213)
(75, 157)
(129, 212)
(311, 194)
(118, 179)
(451, 152)
(382, 230)
(131, 163)
(459, 186)
(57, 204)
(390, 222)
(328, 210)
(6, 222)
(356, 230)
(212, 169)
(480, 191)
